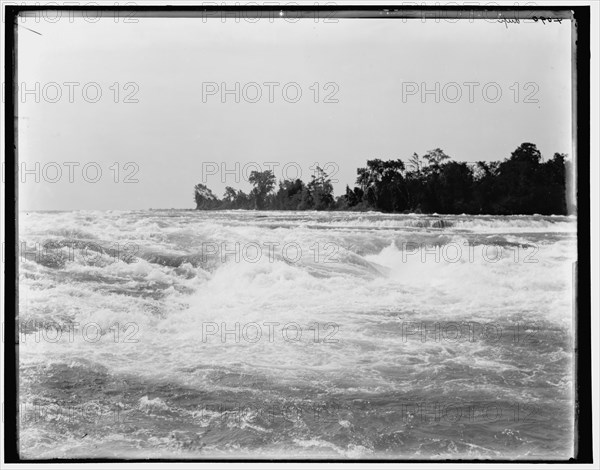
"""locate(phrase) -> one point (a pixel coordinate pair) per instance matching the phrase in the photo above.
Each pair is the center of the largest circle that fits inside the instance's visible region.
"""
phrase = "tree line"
(433, 182)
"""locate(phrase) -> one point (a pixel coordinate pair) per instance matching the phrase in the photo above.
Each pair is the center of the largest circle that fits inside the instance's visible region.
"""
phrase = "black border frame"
(582, 55)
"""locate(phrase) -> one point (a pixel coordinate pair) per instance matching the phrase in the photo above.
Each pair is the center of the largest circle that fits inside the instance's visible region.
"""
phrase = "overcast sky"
(174, 137)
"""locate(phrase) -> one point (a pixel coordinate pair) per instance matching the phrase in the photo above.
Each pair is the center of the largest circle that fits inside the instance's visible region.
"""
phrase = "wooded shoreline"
(432, 183)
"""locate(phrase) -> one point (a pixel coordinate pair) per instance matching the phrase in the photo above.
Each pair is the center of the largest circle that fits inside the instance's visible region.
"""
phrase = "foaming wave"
(177, 324)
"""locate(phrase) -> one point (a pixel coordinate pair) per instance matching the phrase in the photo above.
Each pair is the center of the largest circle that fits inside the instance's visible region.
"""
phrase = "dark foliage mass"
(521, 184)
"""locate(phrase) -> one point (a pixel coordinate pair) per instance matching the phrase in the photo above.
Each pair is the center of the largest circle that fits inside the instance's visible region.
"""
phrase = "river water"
(244, 334)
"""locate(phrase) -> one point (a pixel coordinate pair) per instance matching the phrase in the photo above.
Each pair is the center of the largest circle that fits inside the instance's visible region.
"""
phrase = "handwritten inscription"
(535, 19)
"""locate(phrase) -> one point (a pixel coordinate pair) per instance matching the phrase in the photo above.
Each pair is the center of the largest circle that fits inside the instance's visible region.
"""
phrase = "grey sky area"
(162, 124)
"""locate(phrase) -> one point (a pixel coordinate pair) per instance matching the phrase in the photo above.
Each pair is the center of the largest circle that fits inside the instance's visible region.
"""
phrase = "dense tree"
(455, 188)
(289, 195)
(485, 188)
(415, 164)
(264, 182)
(233, 199)
(230, 196)
(521, 184)
(353, 197)
(553, 192)
(320, 191)
(204, 198)
(435, 158)
(382, 185)
(517, 180)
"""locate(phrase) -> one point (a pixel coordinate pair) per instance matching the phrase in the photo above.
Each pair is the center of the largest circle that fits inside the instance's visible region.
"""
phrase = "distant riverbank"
(428, 184)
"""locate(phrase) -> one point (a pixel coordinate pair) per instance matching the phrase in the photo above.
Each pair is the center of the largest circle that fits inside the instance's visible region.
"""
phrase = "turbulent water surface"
(184, 334)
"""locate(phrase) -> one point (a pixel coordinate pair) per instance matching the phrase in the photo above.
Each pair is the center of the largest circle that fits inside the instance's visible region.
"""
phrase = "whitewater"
(246, 334)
